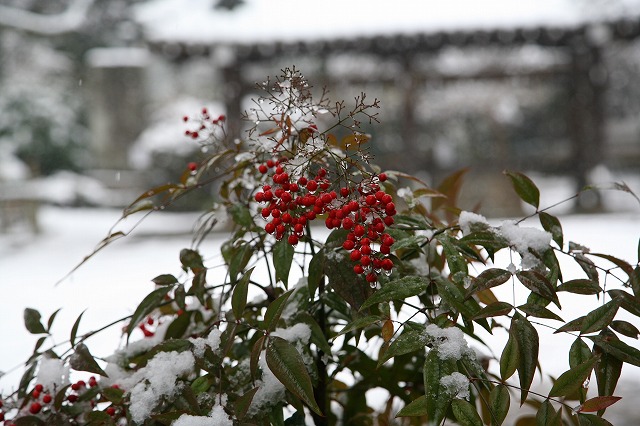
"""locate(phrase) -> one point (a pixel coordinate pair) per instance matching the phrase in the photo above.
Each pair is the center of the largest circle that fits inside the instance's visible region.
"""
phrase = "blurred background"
(92, 95)
(92, 92)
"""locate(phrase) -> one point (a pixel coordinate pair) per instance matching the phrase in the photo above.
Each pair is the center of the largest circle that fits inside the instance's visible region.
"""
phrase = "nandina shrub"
(338, 278)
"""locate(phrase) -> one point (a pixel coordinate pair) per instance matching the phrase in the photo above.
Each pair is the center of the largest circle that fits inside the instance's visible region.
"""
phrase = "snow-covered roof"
(265, 21)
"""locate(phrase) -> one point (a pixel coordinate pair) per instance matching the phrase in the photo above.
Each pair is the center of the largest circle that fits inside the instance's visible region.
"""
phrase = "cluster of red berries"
(364, 210)
(292, 204)
(145, 330)
(205, 120)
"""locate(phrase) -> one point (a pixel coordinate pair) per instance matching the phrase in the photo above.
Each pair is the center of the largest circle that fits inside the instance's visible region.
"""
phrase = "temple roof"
(199, 22)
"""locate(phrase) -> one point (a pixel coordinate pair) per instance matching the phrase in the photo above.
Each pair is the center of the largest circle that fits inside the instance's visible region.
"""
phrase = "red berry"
(72, 398)
(46, 398)
(347, 223)
(387, 264)
(382, 177)
(1, 416)
(348, 245)
(293, 239)
(370, 199)
(92, 381)
(359, 230)
(358, 269)
(388, 220)
(39, 387)
(263, 169)
(185, 118)
(111, 411)
(372, 277)
(365, 260)
(312, 185)
(35, 408)
(192, 166)
(355, 255)
(35, 394)
(222, 117)
(344, 192)
(365, 249)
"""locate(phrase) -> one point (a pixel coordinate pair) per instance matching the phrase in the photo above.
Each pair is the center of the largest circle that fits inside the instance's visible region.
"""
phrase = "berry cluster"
(205, 120)
(292, 204)
(363, 209)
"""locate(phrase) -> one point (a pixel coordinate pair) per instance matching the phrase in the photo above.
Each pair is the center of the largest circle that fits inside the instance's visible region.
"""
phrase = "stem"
(320, 392)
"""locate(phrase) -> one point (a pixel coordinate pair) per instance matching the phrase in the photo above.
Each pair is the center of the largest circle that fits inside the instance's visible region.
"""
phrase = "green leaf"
(493, 310)
(239, 297)
(274, 311)
(618, 349)
(525, 188)
(588, 267)
(243, 403)
(510, 357)
(148, 304)
(178, 326)
(591, 420)
(282, 259)
(416, 408)
(625, 328)
(165, 279)
(26, 378)
(201, 384)
(82, 360)
(580, 286)
(32, 321)
(241, 215)
(359, 323)
(600, 317)
(317, 336)
(630, 303)
(398, 290)
(455, 261)
(407, 342)
(28, 421)
(628, 269)
(573, 325)
(579, 352)
(114, 395)
(237, 256)
(191, 259)
(547, 415)
(499, 401)
(453, 294)
(287, 365)
(438, 399)
(598, 403)
(570, 381)
(528, 344)
(538, 311)
(552, 225)
(539, 284)
(350, 287)
(316, 270)
(52, 317)
(465, 413)
(491, 277)
(74, 329)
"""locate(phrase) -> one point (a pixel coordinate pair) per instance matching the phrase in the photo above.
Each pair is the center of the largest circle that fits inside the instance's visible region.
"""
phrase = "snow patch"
(52, 373)
(449, 342)
(524, 238)
(456, 385)
(468, 219)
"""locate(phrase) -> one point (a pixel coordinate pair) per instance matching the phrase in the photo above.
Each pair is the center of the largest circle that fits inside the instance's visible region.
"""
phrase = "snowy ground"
(110, 285)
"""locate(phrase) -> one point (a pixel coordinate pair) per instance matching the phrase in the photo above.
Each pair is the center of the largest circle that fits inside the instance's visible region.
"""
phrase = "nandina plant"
(338, 278)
